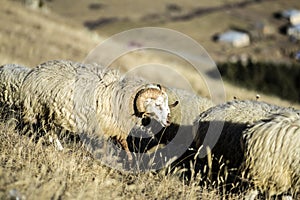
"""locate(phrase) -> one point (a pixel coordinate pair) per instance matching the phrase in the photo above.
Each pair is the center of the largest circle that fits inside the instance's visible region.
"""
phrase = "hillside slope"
(30, 37)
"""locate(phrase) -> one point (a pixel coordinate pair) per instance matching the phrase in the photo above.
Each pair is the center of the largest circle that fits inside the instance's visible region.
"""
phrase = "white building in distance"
(235, 38)
(294, 32)
(292, 15)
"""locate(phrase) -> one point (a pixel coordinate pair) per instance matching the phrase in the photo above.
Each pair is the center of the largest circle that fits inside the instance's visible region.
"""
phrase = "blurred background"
(255, 43)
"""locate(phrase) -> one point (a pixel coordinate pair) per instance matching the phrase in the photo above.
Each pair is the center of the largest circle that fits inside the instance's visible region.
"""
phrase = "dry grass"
(35, 170)
(29, 37)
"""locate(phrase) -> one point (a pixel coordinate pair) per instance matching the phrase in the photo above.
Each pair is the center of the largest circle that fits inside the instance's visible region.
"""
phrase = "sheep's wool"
(11, 78)
(272, 153)
(259, 141)
(80, 98)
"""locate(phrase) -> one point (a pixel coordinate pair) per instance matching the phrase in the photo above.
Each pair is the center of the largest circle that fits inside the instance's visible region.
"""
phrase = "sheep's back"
(189, 106)
(64, 92)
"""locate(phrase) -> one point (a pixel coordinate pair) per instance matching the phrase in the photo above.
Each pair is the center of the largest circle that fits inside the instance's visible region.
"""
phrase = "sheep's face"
(158, 109)
(152, 102)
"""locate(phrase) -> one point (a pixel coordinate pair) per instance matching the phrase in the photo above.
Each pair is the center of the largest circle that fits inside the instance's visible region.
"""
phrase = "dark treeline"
(278, 79)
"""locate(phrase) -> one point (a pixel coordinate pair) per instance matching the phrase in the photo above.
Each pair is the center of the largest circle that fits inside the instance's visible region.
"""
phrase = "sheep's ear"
(163, 89)
(159, 86)
(174, 104)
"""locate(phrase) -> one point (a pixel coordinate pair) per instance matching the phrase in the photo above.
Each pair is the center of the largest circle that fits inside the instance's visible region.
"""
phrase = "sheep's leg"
(124, 144)
(58, 145)
(251, 195)
(53, 139)
(287, 197)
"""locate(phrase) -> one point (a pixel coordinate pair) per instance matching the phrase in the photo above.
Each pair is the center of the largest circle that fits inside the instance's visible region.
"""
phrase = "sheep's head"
(152, 102)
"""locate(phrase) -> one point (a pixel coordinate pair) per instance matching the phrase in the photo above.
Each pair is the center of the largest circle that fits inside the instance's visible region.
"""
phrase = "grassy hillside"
(36, 170)
(279, 79)
(29, 37)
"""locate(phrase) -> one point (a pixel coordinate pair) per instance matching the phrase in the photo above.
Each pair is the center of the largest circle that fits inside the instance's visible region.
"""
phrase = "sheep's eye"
(158, 104)
(148, 114)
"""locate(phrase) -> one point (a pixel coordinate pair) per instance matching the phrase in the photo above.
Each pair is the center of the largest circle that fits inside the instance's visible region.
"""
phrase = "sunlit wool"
(11, 78)
(87, 98)
(236, 145)
(272, 153)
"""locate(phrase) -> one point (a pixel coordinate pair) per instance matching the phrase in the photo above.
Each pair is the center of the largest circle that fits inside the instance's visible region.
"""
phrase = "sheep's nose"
(168, 119)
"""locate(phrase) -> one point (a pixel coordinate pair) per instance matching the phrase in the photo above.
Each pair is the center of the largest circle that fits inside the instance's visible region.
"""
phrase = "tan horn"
(150, 91)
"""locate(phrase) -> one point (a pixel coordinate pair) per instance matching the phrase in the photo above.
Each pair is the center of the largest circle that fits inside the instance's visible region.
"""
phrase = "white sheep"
(11, 78)
(272, 154)
(232, 118)
(86, 98)
(220, 129)
(188, 107)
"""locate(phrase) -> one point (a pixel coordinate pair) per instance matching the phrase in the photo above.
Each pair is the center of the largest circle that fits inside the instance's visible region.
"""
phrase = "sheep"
(218, 133)
(11, 78)
(86, 98)
(272, 154)
(189, 106)
(233, 117)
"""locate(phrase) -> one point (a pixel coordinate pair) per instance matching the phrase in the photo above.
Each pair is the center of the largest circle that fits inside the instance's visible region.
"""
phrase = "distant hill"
(30, 36)
(201, 20)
